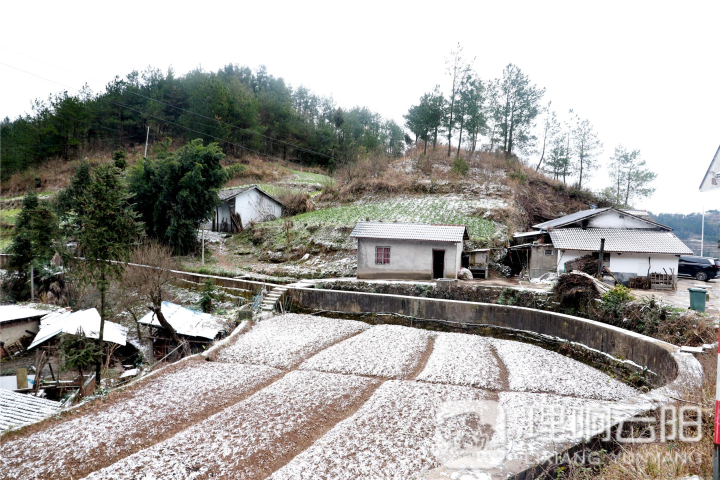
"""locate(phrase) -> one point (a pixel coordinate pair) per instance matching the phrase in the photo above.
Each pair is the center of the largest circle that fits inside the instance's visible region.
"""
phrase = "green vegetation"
(409, 209)
(310, 178)
(7, 222)
(250, 111)
(176, 192)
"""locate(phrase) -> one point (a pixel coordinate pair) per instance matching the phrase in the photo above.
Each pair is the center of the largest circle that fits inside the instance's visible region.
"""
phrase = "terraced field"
(446, 209)
(303, 397)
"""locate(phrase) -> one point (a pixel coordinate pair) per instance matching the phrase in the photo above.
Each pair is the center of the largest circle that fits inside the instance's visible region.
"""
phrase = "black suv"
(702, 268)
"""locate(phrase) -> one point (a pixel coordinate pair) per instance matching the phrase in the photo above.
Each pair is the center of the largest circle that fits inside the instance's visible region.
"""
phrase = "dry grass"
(661, 460)
(256, 170)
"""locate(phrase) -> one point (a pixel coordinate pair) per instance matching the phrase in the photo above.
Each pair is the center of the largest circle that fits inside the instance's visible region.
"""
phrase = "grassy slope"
(7, 220)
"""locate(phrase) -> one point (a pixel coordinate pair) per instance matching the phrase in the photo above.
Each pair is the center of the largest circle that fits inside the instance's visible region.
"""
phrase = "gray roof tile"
(619, 240)
(410, 231)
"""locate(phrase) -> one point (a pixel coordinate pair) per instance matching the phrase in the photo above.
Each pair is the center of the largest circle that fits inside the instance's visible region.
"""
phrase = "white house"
(242, 205)
(408, 250)
(635, 246)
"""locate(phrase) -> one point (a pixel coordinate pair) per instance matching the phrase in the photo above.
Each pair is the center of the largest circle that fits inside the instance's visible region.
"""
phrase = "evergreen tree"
(108, 229)
(175, 194)
(36, 229)
(518, 106)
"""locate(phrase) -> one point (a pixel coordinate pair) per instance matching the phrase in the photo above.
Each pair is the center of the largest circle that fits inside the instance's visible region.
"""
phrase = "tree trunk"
(462, 124)
(98, 367)
(435, 138)
(425, 150)
(165, 324)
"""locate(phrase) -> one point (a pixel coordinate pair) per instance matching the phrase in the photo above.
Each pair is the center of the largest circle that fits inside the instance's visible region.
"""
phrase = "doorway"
(438, 265)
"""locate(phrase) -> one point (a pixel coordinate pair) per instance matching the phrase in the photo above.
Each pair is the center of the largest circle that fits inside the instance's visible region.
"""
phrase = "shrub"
(207, 296)
(119, 158)
(235, 170)
(295, 203)
(460, 167)
(519, 176)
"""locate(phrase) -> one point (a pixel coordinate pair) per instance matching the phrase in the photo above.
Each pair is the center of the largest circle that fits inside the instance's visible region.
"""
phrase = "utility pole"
(203, 246)
(702, 233)
(600, 258)
(32, 282)
(147, 137)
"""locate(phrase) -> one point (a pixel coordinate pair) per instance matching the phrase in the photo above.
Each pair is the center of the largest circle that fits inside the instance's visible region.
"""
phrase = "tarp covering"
(185, 321)
(70, 322)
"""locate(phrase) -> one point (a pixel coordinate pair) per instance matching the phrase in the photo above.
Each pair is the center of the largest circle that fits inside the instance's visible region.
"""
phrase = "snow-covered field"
(136, 419)
(461, 359)
(301, 396)
(285, 341)
(251, 438)
(388, 351)
(393, 435)
(534, 369)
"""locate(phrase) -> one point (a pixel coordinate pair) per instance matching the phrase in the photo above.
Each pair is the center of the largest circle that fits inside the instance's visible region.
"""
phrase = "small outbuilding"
(241, 205)
(408, 251)
(198, 329)
(18, 325)
(87, 321)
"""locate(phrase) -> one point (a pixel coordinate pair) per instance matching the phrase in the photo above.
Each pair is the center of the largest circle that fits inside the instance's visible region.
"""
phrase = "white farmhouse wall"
(565, 256)
(11, 332)
(252, 206)
(636, 264)
(408, 259)
(612, 219)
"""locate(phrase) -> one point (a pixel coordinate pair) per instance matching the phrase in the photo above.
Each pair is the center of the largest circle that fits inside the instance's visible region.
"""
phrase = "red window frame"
(382, 255)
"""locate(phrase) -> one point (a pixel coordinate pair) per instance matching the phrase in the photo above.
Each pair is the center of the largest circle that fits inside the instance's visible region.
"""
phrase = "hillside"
(689, 229)
(494, 198)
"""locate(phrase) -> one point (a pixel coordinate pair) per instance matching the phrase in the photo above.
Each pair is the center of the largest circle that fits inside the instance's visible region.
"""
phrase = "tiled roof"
(619, 240)
(228, 193)
(410, 231)
(19, 409)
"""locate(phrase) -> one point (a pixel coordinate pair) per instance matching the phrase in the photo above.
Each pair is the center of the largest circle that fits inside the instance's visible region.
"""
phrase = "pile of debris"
(586, 264)
(578, 288)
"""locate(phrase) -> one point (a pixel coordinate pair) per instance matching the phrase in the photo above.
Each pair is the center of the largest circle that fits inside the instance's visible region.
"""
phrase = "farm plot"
(129, 421)
(534, 369)
(389, 351)
(252, 438)
(537, 424)
(285, 341)
(448, 209)
(461, 359)
(394, 435)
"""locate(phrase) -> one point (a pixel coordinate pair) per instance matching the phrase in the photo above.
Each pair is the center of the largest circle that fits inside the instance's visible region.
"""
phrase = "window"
(382, 255)
(548, 252)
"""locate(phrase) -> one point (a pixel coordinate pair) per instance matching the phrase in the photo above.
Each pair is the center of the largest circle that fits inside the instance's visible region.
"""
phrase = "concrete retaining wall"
(605, 340)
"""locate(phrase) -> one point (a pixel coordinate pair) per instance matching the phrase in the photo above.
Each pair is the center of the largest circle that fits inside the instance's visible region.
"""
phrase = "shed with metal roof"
(408, 251)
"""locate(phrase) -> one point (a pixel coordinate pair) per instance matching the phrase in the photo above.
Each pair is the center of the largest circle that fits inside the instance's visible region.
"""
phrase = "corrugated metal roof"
(17, 410)
(8, 313)
(69, 322)
(526, 234)
(185, 321)
(619, 240)
(573, 217)
(637, 213)
(410, 231)
(584, 214)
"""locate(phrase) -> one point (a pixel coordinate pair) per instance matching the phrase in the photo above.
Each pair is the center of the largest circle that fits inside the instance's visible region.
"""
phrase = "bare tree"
(148, 277)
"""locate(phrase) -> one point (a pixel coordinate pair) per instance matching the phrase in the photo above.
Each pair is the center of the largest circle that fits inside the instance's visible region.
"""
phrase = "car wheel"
(701, 276)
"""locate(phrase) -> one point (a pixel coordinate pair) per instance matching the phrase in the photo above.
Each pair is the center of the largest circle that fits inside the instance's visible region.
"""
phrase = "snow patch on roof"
(70, 322)
(185, 321)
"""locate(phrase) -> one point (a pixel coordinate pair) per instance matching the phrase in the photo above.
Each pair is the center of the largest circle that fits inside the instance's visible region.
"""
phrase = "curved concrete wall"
(622, 345)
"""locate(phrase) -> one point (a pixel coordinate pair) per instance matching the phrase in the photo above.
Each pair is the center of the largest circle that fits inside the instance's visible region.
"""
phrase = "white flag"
(712, 177)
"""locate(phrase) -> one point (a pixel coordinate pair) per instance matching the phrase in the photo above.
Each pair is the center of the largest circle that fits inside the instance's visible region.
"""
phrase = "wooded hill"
(244, 111)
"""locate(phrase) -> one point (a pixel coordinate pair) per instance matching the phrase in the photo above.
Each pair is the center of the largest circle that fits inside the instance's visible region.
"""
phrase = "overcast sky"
(646, 74)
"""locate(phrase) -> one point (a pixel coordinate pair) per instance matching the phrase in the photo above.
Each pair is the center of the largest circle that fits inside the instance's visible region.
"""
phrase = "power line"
(298, 147)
